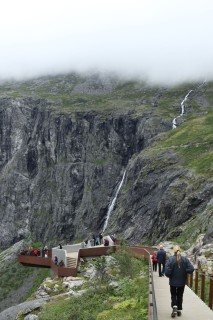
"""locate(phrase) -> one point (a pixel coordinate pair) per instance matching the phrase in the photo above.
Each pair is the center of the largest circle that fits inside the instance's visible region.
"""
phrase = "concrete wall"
(61, 254)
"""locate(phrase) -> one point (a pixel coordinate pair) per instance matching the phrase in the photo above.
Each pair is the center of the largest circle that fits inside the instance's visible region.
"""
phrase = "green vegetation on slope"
(193, 141)
(14, 276)
(102, 301)
(75, 92)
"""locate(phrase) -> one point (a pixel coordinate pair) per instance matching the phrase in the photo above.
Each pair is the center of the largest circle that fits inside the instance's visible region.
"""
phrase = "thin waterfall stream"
(174, 123)
(112, 204)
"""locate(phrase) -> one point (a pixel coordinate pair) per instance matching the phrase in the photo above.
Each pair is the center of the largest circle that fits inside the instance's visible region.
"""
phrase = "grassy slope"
(193, 141)
(101, 301)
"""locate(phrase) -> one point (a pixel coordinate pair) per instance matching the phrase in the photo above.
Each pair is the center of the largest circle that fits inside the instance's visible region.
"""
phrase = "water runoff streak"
(112, 204)
(174, 123)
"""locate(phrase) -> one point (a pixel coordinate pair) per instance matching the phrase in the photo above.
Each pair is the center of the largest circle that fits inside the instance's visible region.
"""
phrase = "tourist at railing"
(56, 260)
(106, 242)
(30, 251)
(94, 239)
(101, 238)
(97, 241)
(113, 237)
(176, 270)
(36, 252)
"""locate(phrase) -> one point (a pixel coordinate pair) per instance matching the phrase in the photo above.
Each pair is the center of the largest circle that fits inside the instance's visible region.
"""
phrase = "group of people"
(41, 252)
(99, 240)
(159, 259)
(176, 269)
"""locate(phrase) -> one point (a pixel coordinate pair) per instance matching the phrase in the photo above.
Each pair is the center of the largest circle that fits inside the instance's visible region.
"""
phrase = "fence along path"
(193, 307)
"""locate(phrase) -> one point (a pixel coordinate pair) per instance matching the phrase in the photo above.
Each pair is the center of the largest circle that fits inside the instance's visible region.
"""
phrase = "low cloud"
(160, 41)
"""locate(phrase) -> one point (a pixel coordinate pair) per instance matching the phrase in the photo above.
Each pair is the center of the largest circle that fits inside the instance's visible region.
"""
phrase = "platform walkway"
(193, 307)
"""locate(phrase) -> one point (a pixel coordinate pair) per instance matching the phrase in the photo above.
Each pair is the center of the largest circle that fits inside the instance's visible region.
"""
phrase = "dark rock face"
(58, 171)
(158, 196)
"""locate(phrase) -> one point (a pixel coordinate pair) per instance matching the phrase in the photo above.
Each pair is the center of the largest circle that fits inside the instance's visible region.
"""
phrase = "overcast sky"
(159, 40)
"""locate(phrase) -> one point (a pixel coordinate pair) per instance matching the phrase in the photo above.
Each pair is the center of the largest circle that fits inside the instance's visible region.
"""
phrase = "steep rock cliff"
(58, 171)
(158, 197)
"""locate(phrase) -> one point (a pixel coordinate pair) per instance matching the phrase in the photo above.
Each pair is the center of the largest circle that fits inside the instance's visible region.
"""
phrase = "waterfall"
(111, 206)
(174, 123)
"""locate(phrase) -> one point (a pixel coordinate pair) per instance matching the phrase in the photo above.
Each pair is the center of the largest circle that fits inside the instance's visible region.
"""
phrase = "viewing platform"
(69, 254)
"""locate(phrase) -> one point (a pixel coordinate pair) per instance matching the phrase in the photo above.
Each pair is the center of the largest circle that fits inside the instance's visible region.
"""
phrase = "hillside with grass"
(67, 139)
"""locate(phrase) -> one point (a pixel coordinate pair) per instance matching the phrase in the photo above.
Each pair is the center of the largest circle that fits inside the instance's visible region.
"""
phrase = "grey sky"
(159, 40)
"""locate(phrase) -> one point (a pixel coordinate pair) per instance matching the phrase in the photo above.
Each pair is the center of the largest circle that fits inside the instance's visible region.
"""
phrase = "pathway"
(193, 307)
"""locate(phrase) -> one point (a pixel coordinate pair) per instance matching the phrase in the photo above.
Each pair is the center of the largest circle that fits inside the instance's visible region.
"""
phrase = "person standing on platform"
(101, 238)
(161, 257)
(176, 270)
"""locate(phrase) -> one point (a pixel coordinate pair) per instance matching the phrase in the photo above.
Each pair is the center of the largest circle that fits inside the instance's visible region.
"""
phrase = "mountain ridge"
(62, 156)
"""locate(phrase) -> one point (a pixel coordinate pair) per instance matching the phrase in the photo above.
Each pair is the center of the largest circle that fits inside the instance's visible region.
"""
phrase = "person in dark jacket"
(161, 257)
(176, 270)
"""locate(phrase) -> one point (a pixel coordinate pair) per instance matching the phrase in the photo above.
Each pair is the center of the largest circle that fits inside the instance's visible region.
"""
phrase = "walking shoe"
(178, 313)
(174, 312)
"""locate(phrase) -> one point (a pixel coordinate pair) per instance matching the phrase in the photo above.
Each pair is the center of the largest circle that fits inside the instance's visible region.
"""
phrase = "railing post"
(187, 279)
(196, 281)
(203, 286)
(191, 280)
(210, 290)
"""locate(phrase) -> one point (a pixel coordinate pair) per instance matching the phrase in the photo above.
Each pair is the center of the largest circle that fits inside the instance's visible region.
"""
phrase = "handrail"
(197, 284)
(154, 305)
(152, 300)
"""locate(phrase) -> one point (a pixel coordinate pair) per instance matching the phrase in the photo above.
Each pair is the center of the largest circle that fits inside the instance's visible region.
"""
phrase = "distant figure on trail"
(56, 260)
(154, 261)
(161, 257)
(176, 270)
(60, 246)
(101, 238)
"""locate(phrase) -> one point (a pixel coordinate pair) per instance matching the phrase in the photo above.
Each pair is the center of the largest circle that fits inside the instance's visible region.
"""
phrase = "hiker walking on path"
(154, 261)
(161, 257)
(176, 270)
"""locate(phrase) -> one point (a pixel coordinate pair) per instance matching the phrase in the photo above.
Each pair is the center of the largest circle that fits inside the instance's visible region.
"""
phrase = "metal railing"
(146, 252)
(202, 284)
(153, 314)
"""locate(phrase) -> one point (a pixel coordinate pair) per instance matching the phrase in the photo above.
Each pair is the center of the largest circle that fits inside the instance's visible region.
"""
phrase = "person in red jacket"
(35, 251)
(154, 261)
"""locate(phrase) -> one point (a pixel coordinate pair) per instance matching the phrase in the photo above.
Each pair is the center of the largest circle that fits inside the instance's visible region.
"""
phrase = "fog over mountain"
(160, 41)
